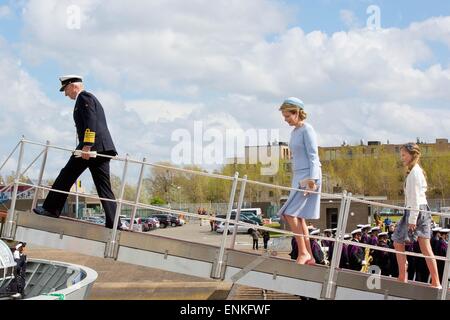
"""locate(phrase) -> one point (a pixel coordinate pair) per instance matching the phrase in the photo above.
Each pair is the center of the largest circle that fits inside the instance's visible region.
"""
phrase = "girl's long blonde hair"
(414, 150)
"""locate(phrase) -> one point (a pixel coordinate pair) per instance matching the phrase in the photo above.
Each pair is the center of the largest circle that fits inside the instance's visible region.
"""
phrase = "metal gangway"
(224, 262)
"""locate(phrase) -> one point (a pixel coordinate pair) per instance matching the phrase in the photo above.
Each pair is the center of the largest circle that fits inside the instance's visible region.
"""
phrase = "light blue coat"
(304, 148)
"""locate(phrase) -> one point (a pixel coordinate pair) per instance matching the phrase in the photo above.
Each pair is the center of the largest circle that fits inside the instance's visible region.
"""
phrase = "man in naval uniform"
(93, 135)
(316, 249)
(356, 253)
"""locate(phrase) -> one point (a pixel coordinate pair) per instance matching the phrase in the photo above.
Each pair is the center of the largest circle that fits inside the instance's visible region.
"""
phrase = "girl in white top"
(415, 224)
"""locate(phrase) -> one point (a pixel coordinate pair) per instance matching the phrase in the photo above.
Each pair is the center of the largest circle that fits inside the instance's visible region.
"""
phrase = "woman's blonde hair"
(414, 150)
(292, 108)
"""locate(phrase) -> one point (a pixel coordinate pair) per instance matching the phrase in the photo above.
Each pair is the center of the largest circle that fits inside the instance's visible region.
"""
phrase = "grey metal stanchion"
(138, 192)
(9, 226)
(217, 268)
(238, 211)
(41, 174)
(337, 250)
(112, 244)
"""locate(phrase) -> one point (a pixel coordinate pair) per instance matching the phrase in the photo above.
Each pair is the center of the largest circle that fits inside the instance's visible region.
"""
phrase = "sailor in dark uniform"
(316, 249)
(364, 233)
(436, 235)
(294, 251)
(441, 250)
(17, 286)
(344, 263)
(374, 235)
(327, 244)
(331, 245)
(382, 258)
(326, 233)
(412, 264)
(93, 135)
(356, 253)
(422, 272)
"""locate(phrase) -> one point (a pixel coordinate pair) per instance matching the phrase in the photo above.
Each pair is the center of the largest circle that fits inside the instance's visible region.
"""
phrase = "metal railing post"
(111, 246)
(9, 226)
(337, 250)
(138, 192)
(217, 268)
(41, 174)
(238, 211)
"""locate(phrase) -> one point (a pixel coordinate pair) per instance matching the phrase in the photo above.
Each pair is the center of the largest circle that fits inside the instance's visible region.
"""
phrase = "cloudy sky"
(159, 65)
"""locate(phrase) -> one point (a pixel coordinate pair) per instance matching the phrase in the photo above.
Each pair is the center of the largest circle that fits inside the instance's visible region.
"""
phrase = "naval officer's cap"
(436, 229)
(382, 234)
(314, 232)
(347, 236)
(68, 79)
(444, 230)
(356, 231)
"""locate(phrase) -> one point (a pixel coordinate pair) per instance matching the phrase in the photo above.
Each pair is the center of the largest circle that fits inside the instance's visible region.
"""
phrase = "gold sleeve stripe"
(89, 136)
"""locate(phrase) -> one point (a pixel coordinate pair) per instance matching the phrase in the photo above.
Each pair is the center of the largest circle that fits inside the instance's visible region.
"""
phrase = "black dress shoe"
(43, 212)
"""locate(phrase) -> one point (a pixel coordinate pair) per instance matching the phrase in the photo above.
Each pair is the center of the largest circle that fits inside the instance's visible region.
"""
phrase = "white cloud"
(348, 18)
(5, 11)
(160, 110)
(230, 64)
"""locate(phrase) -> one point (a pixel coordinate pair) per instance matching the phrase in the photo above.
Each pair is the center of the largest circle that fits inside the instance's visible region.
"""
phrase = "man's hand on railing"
(85, 156)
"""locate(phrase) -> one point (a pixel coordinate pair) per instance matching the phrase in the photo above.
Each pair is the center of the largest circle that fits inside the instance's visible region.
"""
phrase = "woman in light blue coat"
(307, 175)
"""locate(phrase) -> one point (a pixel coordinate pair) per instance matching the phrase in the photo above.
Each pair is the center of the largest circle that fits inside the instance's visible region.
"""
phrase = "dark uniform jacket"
(355, 256)
(90, 122)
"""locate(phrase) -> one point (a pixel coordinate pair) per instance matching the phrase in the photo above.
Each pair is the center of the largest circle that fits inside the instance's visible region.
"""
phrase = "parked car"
(94, 219)
(175, 221)
(164, 219)
(137, 224)
(240, 229)
(251, 214)
(244, 216)
(150, 223)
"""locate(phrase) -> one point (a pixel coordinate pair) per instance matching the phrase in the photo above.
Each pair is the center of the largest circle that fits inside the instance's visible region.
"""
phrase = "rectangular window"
(332, 218)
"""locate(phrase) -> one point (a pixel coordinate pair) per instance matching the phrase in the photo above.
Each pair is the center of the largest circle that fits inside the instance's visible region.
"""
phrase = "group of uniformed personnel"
(355, 257)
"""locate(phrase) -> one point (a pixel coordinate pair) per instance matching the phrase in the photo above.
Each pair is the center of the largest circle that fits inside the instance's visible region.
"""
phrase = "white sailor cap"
(365, 226)
(19, 245)
(327, 230)
(314, 232)
(436, 229)
(375, 229)
(70, 78)
(381, 234)
(347, 236)
(311, 227)
(356, 231)
(445, 230)
(360, 225)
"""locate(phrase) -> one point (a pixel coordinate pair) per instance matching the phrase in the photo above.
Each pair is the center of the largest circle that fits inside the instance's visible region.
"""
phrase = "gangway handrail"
(254, 226)
(142, 205)
(339, 238)
(218, 176)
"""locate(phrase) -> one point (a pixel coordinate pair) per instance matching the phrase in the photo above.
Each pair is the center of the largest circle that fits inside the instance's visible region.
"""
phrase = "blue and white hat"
(294, 101)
